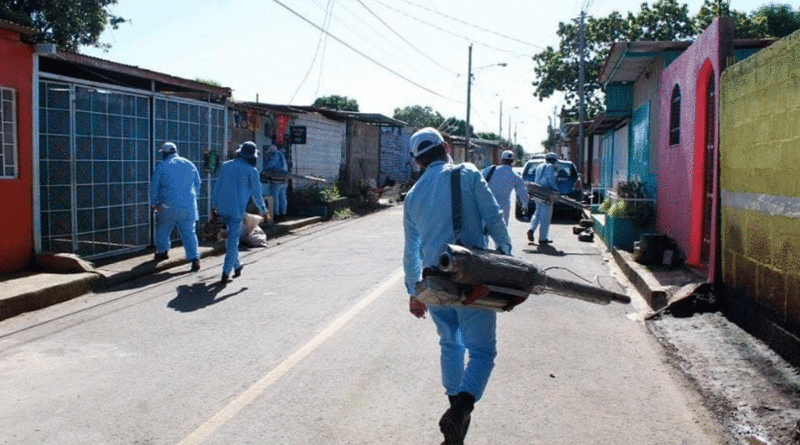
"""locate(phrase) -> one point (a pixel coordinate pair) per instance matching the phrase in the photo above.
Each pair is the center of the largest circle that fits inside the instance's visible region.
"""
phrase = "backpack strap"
(490, 173)
(455, 199)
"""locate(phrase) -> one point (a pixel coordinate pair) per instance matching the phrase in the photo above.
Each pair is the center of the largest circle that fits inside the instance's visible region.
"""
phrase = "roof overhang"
(600, 124)
(91, 68)
(369, 118)
(16, 27)
(626, 61)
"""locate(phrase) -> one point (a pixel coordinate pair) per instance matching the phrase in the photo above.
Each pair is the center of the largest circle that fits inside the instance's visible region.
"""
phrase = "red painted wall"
(681, 167)
(16, 202)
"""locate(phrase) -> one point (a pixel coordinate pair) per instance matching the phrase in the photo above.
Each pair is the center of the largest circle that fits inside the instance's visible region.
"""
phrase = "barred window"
(675, 117)
(8, 133)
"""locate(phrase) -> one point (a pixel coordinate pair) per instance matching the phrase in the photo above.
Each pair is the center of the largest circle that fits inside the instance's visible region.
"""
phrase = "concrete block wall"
(760, 193)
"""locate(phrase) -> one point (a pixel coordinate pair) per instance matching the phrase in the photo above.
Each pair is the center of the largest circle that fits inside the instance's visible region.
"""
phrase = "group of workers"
(175, 186)
(465, 334)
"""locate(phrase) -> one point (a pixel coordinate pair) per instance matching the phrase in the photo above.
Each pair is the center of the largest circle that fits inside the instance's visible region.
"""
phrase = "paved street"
(314, 345)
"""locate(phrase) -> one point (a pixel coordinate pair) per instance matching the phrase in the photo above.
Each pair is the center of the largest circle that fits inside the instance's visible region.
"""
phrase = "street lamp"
(501, 120)
(515, 130)
(469, 93)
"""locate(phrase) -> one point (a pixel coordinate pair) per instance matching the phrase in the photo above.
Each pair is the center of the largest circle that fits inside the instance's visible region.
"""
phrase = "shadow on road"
(545, 249)
(200, 295)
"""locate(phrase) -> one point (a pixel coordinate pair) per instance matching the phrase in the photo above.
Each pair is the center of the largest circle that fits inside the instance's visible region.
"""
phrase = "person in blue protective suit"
(174, 188)
(544, 175)
(237, 183)
(276, 169)
(502, 180)
(428, 227)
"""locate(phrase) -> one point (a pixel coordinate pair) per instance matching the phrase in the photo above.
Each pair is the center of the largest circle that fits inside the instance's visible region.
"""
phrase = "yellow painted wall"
(760, 155)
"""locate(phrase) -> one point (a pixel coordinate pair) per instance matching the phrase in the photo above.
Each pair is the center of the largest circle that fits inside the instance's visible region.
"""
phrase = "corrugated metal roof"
(82, 66)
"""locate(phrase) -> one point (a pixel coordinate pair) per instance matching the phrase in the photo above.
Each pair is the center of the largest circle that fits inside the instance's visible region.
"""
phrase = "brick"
(729, 267)
(793, 302)
(787, 248)
(757, 238)
(732, 231)
(772, 292)
(746, 279)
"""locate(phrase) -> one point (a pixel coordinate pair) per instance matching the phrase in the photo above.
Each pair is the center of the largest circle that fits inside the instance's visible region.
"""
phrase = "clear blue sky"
(412, 52)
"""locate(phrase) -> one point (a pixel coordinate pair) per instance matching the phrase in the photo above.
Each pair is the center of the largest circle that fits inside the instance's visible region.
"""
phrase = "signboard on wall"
(297, 134)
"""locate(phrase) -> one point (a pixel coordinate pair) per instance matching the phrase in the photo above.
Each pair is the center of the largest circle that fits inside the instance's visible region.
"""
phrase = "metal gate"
(95, 158)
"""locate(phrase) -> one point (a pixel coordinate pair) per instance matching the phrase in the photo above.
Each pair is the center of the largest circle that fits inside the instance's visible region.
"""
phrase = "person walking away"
(545, 176)
(174, 188)
(502, 180)
(237, 183)
(428, 228)
(276, 170)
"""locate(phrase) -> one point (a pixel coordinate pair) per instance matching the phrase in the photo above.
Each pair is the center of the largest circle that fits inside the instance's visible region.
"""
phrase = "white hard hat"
(424, 140)
(168, 147)
(507, 155)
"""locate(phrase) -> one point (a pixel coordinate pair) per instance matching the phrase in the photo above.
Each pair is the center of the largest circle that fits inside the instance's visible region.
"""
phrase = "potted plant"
(630, 213)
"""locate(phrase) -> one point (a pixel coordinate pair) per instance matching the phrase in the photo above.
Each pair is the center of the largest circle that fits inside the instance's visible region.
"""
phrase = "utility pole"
(581, 116)
(501, 120)
(469, 92)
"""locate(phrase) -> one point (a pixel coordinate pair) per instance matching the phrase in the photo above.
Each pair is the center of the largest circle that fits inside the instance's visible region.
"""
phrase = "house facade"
(16, 167)
(687, 146)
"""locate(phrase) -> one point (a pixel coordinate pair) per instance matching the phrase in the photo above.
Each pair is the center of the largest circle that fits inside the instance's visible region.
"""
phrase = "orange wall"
(16, 202)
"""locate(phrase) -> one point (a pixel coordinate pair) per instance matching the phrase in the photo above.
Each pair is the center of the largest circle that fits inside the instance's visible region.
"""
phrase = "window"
(675, 117)
(8, 133)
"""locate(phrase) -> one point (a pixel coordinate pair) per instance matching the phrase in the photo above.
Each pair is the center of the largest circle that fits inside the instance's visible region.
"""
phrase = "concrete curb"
(34, 291)
(659, 288)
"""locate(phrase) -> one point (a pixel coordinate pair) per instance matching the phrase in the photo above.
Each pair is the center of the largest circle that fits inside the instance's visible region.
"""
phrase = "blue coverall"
(237, 183)
(428, 227)
(545, 176)
(174, 188)
(275, 161)
(501, 183)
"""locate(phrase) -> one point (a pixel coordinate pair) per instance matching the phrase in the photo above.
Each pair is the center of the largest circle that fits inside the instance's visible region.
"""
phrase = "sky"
(385, 54)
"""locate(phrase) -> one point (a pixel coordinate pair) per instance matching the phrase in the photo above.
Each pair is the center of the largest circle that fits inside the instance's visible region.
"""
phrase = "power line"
(474, 26)
(404, 39)
(364, 55)
(310, 67)
(446, 30)
(325, 24)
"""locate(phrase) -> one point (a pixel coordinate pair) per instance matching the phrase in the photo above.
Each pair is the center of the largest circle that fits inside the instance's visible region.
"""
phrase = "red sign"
(282, 121)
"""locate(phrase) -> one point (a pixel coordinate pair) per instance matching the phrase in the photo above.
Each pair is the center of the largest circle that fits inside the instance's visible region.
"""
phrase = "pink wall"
(680, 167)
(16, 211)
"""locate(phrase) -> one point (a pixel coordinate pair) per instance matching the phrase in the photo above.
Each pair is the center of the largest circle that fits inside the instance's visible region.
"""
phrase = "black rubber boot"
(455, 421)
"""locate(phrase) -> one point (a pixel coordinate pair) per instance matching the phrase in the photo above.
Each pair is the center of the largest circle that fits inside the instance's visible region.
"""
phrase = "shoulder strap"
(455, 198)
(490, 173)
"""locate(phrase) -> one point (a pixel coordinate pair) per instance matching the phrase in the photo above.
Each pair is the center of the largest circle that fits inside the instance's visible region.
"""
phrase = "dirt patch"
(752, 391)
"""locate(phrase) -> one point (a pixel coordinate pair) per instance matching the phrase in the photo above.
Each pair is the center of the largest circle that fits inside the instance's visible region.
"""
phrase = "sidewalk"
(31, 290)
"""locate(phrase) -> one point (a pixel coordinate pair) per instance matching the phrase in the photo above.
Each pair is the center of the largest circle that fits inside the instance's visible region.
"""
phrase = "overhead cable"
(364, 55)
(474, 26)
(446, 30)
(404, 39)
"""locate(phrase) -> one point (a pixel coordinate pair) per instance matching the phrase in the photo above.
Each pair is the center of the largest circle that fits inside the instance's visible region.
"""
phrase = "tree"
(747, 27)
(557, 69)
(418, 116)
(780, 20)
(69, 24)
(334, 102)
(771, 20)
